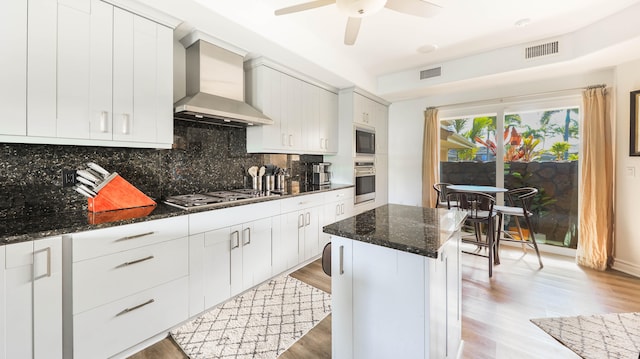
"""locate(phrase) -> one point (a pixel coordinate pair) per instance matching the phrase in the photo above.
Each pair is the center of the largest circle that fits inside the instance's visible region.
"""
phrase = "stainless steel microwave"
(365, 141)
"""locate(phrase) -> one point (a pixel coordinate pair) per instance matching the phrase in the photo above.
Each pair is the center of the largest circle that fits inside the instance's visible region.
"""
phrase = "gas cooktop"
(211, 199)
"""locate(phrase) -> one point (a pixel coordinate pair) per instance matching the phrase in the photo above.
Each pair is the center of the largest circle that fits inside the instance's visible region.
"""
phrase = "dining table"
(476, 188)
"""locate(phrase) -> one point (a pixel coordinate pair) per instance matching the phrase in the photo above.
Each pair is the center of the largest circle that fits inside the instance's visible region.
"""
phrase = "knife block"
(116, 193)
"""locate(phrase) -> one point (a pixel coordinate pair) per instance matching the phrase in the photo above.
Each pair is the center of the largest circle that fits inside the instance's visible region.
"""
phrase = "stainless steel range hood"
(215, 88)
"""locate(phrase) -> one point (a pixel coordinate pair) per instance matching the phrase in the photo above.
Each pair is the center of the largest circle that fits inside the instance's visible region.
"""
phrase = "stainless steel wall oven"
(365, 181)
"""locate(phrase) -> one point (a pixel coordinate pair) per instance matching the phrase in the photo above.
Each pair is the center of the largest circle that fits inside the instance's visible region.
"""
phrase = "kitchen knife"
(83, 192)
(98, 169)
(88, 175)
(86, 189)
(86, 181)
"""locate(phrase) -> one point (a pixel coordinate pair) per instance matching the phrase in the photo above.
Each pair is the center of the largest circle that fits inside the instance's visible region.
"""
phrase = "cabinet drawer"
(101, 242)
(102, 280)
(107, 330)
(338, 195)
(225, 217)
(301, 202)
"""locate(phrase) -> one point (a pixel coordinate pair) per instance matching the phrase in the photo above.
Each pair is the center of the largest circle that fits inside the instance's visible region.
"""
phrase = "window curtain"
(595, 247)
(430, 160)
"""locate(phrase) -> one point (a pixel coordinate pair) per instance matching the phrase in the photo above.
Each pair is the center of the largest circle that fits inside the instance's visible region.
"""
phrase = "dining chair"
(441, 191)
(480, 211)
(519, 202)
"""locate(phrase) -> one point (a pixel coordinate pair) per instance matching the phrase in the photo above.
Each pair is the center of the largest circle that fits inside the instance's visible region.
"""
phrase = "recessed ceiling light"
(522, 22)
(427, 49)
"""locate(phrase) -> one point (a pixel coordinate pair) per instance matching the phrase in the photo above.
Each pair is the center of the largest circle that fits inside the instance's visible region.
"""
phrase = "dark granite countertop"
(13, 230)
(406, 228)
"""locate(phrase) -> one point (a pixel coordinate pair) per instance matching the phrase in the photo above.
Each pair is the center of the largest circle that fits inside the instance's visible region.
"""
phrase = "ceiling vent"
(549, 48)
(434, 72)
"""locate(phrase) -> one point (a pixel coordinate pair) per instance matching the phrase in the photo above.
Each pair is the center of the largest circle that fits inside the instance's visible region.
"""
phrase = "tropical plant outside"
(530, 140)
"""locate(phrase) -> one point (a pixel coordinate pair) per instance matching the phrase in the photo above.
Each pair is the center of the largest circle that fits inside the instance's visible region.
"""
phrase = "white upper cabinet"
(13, 67)
(142, 90)
(363, 110)
(305, 115)
(94, 74)
(84, 70)
(263, 90)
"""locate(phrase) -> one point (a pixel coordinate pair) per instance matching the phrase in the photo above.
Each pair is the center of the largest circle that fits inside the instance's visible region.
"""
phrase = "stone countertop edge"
(411, 229)
(15, 230)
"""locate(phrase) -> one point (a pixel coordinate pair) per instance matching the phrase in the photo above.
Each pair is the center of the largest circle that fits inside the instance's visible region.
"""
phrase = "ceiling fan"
(357, 9)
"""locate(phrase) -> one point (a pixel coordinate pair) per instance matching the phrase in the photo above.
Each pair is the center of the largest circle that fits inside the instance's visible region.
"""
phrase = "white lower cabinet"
(250, 254)
(127, 284)
(393, 304)
(111, 328)
(301, 218)
(338, 206)
(342, 304)
(227, 261)
(32, 300)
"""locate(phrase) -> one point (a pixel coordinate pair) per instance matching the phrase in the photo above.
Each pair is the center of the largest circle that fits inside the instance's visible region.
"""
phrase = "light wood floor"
(496, 311)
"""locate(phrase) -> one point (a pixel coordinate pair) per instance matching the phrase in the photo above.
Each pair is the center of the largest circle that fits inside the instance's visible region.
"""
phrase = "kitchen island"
(396, 283)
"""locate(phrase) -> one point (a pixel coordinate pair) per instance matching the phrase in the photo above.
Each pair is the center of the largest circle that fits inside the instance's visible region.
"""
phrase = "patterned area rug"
(261, 323)
(597, 336)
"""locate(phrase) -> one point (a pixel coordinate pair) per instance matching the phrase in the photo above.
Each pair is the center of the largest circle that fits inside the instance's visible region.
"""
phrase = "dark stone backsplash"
(205, 158)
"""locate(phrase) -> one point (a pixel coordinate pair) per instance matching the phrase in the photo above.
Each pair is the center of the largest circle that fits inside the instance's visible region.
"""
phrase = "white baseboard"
(626, 267)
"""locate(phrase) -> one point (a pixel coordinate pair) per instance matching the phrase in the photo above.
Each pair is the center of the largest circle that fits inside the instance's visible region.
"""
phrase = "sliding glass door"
(534, 144)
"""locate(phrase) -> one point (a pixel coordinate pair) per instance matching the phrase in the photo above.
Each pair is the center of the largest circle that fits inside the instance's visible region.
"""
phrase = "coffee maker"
(321, 175)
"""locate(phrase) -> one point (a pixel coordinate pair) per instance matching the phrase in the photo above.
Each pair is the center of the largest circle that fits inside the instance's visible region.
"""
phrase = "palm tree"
(479, 125)
(458, 124)
(512, 120)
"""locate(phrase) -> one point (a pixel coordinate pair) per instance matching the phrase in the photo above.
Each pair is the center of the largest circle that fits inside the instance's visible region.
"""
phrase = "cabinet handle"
(300, 220)
(342, 208)
(126, 124)
(284, 139)
(337, 209)
(104, 118)
(290, 140)
(321, 143)
(237, 235)
(134, 236)
(248, 231)
(48, 273)
(131, 309)
(341, 259)
(125, 264)
(308, 221)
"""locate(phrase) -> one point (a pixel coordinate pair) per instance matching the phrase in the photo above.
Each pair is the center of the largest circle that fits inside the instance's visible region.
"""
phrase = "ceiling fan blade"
(351, 32)
(419, 8)
(305, 6)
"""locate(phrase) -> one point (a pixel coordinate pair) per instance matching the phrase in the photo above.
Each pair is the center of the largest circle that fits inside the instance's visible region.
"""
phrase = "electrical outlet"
(68, 178)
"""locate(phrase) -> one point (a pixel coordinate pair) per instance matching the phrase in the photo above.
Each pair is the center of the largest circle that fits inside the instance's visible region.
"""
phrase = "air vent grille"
(550, 48)
(434, 72)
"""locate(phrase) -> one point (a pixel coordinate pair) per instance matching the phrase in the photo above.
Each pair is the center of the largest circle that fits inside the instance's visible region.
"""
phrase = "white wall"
(406, 124)
(627, 249)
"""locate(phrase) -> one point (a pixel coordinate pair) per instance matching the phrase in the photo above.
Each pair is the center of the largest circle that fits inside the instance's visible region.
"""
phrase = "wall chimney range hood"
(215, 88)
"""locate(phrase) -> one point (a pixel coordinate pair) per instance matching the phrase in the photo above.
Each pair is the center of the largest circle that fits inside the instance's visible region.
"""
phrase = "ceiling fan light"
(360, 8)
(425, 49)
